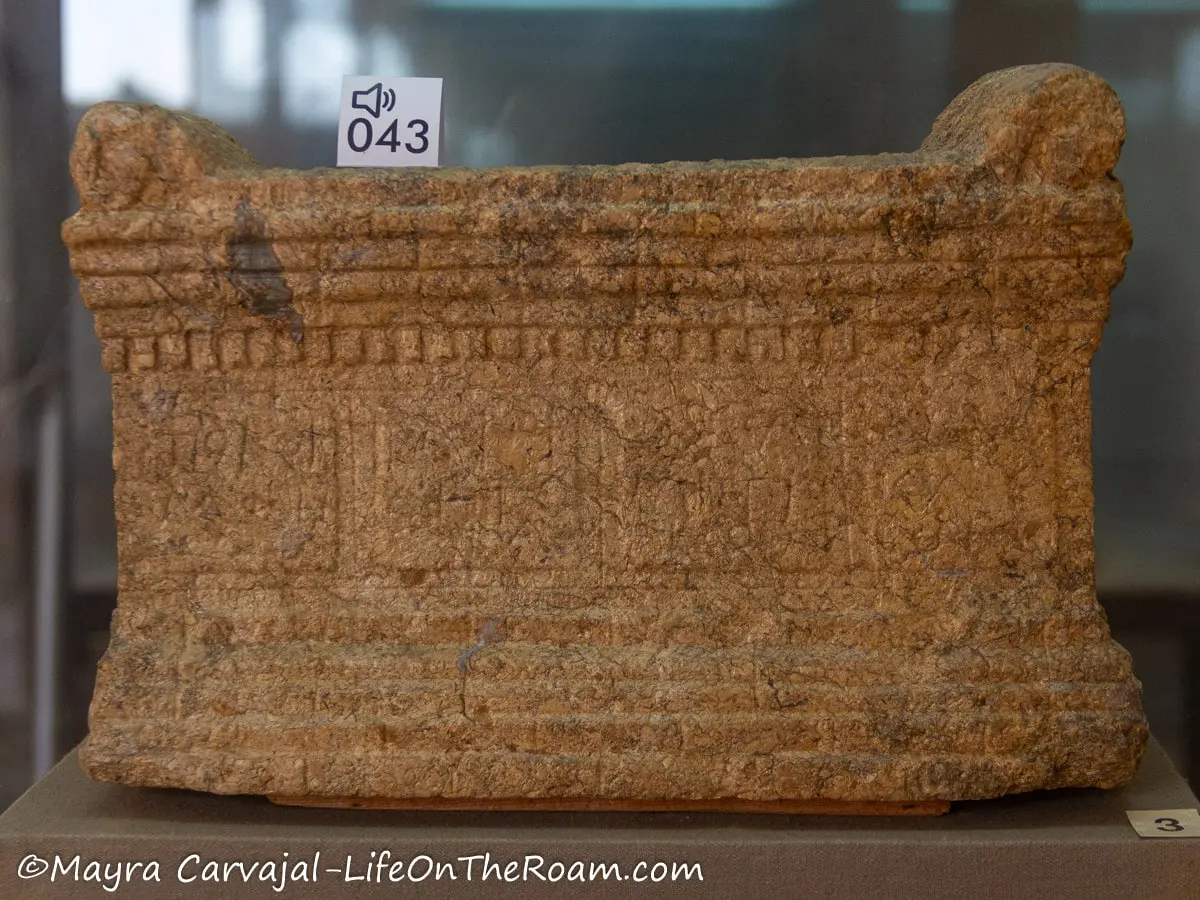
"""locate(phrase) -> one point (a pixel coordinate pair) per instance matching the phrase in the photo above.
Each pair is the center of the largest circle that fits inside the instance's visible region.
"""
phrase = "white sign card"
(390, 121)
(1168, 823)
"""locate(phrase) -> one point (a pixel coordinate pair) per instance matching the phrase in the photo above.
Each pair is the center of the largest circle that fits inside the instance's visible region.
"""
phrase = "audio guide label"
(390, 121)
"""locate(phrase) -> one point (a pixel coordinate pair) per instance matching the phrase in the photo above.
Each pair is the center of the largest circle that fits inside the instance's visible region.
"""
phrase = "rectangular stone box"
(757, 481)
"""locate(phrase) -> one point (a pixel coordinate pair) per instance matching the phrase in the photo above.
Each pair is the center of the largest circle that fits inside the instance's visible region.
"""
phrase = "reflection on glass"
(242, 34)
(386, 55)
(129, 49)
(925, 6)
(318, 49)
(233, 34)
(1139, 6)
(1187, 77)
(613, 5)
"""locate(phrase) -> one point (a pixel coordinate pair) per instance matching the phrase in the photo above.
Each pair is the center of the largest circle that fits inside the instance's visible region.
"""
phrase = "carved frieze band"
(272, 347)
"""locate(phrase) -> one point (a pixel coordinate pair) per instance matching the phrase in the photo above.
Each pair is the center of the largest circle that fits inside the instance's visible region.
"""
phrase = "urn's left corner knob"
(130, 155)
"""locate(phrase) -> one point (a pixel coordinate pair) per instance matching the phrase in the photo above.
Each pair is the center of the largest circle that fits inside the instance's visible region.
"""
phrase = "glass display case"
(531, 82)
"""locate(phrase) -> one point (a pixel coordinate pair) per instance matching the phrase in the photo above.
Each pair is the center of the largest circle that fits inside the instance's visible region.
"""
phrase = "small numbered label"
(1157, 823)
(390, 121)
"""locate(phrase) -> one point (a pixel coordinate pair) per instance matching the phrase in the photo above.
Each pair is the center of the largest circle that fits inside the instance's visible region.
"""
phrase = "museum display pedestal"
(1061, 844)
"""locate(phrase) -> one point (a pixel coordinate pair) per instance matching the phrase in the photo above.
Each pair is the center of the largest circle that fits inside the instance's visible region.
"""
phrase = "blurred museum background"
(579, 81)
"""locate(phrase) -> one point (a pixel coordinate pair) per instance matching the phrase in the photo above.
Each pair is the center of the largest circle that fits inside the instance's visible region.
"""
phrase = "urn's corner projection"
(696, 483)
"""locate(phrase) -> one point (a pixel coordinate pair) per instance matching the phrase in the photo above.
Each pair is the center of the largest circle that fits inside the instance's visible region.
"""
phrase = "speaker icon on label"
(374, 99)
(389, 121)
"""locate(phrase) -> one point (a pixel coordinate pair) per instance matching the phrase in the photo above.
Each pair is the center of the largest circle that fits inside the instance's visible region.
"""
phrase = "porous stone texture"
(757, 480)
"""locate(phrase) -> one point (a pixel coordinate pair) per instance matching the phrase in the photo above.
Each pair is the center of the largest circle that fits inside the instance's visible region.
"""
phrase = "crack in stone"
(488, 634)
(940, 573)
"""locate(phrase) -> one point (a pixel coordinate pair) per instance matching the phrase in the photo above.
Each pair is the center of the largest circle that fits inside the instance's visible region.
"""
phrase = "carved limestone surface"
(753, 481)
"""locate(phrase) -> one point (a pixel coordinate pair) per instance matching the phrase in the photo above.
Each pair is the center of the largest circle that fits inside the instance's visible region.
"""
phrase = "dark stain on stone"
(255, 272)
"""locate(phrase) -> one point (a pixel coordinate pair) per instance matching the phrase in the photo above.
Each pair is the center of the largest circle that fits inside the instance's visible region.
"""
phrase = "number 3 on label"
(360, 134)
(1165, 823)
